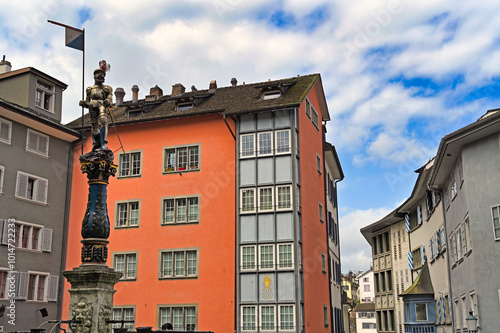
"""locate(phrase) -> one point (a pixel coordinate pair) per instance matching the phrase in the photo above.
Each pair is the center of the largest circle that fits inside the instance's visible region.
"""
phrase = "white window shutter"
(46, 240)
(22, 285)
(419, 214)
(5, 231)
(43, 145)
(22, 185)
(41, 193)
(464, 242)
(53, 288)
(31, 145)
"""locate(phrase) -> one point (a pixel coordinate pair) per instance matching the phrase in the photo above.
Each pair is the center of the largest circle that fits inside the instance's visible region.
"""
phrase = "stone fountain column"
(92, 283)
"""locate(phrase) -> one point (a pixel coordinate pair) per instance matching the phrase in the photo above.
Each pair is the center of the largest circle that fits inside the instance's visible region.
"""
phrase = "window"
(318, 163)
(419, 214)
(496, 221)
(323, 263)
(267, 318)
(5, 131)
(38, 286)
(181, 317)
(321, 218)
(466, 241)
(181, 210)
(130, 164)
(247, 145)
(285, 256)
(325, 315)
(248, 258)
(286, 316)
(282, 142)
(369, 325)
(127, 214)
(37, 143)
(44, 96)
(249, 318)
(458, 239)
(178, 263)
(421, 310)
(308, 108)
(283, 197)
(2, 172)
(366, 287)
(126, 263)
(124, 313)
(4, 272)
(247, 200)
(265, 143)
(453, 188)
(266, 257)
(31, 187)
(315, 118)
(184, 106)
(271, 94)
(266, 199)
(181, 159)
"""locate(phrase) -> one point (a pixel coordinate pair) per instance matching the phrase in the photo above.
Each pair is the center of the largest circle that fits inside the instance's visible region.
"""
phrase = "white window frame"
(4, 287)
(273, 94)
(260, 209)
(185, 274)
(255, 254)
(273, 265)
(45, 88)
(271, 148)
(426, 312)
(38, 195)
(184, 307)
(278, 208)
(497, 218)
(2, 176)
(190, 166)
(44, 236)
(315, 117)
(125, 272)
(308, 108)
(127, 222)
(253, 210)
(122, 308)
(255, 319)
(293, 318)
(130, 169)
(245, 153)
(276, 140)
(9, 131)
(278, 254)
(261, 321)
(189, 205)
(38, 136)
(35, 292)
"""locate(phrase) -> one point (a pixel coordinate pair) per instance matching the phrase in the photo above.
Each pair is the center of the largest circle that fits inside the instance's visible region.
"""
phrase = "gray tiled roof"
(229, 100)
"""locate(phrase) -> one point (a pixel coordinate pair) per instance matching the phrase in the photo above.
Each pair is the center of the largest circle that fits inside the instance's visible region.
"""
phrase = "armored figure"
(99, 98)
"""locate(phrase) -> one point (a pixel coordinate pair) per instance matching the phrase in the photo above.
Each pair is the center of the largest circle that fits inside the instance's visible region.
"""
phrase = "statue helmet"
(99, 70)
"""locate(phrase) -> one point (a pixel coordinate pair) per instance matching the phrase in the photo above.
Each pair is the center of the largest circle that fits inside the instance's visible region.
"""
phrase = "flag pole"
(83, 83)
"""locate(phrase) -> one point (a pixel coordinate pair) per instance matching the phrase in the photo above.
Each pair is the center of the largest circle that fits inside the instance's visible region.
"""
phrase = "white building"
(366, 287)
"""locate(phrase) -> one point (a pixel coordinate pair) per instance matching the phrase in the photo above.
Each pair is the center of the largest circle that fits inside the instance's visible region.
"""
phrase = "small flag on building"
(75, 38)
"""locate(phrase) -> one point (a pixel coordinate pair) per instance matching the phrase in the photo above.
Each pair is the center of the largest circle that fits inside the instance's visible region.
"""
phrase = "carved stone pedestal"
(91, 297)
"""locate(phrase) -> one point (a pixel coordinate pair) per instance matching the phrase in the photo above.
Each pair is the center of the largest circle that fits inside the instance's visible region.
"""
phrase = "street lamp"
(471, 322)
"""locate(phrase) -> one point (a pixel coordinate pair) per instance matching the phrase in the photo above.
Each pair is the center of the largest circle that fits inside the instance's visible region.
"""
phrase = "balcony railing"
(420, 329)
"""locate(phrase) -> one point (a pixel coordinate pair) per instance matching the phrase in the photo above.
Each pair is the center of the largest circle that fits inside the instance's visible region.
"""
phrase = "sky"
(398, 75)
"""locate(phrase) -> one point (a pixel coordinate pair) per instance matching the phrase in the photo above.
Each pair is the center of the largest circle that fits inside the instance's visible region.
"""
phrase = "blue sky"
(398, 74)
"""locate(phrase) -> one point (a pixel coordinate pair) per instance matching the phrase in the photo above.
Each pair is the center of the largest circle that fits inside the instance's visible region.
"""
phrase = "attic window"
(134, 113)
(44, 96)
(271, 94)
(184, 106)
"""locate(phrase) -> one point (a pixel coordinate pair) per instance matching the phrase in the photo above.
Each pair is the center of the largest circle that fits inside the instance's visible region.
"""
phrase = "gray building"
(465, 170)
(35, 154)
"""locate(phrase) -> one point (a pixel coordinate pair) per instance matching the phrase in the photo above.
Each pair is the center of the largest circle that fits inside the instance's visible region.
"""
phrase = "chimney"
(119, 93)
(5, 66)
(212, 86)
(178, 89)
(157, 91)
(135, 93)
(234, 82)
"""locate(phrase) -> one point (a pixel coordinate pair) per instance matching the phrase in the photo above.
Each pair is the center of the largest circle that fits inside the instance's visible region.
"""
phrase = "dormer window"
(184, 106)
(45, 96)
(134, 113)
(271, 94)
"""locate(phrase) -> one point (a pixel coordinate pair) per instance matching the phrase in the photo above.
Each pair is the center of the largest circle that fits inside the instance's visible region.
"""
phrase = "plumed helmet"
(99, 70)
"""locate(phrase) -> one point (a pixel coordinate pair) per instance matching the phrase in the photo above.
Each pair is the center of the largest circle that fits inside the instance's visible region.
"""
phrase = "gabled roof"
(34, 71)
(451, 145)
(229, 101)
(422, 284)
(392, 218)
(332, 159)
(365, 307)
